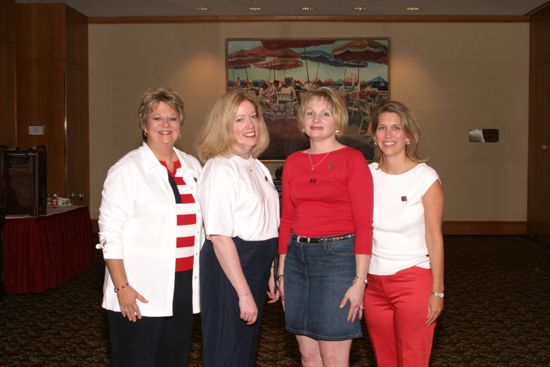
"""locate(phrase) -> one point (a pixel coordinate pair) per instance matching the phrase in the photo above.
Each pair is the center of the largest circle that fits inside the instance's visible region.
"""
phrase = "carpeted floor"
(497, 314)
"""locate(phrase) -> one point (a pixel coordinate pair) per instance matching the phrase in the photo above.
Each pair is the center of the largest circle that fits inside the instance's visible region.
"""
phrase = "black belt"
(303, 239)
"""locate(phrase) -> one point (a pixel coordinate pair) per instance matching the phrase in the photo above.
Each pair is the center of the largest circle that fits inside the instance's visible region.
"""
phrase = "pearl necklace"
(318, 163)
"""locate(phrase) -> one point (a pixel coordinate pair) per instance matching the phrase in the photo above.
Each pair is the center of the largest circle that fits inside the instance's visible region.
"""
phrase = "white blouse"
(399, 240)
(238, 199)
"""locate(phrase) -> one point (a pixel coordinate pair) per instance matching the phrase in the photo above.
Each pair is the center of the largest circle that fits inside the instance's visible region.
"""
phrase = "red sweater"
(334, 198)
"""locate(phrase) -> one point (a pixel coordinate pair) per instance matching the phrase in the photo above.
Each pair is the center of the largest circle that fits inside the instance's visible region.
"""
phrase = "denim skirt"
(317, 276)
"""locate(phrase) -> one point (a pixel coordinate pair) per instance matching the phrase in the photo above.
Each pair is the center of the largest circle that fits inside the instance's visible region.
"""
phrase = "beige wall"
(454, 76)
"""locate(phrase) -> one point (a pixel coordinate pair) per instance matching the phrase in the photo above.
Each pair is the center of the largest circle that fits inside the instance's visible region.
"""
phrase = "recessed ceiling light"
(307, 8)
(360, 8)
(255, 9)
(413, 8)
(202, 8)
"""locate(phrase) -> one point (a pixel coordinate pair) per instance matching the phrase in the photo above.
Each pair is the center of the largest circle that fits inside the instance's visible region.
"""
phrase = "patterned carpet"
(497, 314)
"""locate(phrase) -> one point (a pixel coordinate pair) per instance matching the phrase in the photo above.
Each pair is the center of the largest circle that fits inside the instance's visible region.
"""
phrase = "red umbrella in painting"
(242, 59)
(279, 64)
(297, 43)
(283, 53)
(361, 51)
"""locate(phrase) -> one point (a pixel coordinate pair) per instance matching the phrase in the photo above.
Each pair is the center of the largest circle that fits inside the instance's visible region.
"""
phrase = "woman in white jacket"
(151, 234)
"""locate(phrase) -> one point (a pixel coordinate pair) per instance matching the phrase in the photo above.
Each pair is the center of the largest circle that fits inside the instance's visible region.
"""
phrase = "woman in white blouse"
(404, 297)
(240, 208)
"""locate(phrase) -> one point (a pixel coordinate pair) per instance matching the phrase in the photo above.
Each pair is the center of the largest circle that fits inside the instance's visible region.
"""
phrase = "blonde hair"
(410, 126)
(151, 99)
(216, 137)
(337, 106)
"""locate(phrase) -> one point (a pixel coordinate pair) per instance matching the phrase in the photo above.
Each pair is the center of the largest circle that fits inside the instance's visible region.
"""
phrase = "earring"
(407, 142)
(145, 133)
(337, 131)
(375, 143)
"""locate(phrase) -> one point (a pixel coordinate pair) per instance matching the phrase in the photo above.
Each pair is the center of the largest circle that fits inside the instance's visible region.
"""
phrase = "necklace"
(318, 163)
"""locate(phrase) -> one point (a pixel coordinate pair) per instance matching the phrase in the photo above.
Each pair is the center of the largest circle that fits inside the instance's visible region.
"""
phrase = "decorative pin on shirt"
(403, 198)
(330, 165)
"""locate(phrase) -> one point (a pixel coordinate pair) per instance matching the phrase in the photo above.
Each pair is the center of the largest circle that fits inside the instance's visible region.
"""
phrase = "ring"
(361, 307)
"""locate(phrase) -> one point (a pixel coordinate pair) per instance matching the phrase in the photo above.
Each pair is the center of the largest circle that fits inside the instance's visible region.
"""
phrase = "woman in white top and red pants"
(405, 282)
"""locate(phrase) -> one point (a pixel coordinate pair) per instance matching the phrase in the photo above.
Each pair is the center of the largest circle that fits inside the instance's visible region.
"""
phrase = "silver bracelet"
(438, 294)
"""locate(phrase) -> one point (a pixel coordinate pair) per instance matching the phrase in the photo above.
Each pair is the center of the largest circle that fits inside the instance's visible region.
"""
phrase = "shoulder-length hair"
(337, 106)
(151, 99)
(410, 126)
(216, 137)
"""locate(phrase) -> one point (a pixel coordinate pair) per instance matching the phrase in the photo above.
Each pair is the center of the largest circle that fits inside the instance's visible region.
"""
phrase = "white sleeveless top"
(399, 240)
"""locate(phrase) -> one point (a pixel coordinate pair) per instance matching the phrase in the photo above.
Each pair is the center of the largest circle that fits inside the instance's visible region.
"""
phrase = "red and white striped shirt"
(186, 220)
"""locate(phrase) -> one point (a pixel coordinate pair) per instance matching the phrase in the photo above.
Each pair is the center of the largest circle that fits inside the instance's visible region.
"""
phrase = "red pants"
(396, 309)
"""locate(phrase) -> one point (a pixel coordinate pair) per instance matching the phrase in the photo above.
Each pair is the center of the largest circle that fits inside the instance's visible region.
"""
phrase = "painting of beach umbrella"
(279, 64)
(323, 57)
(297, 43)
(362, 50)
(282, 53)
(359, 53)
(242, 60)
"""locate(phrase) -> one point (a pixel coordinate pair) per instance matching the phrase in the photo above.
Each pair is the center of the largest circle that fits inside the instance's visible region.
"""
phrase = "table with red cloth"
(43, 252)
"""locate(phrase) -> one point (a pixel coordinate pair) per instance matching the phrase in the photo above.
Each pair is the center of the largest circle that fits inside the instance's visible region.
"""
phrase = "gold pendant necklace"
(318, 163)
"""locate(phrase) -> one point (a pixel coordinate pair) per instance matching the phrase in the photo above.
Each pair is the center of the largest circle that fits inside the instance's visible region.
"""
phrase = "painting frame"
(279, 72)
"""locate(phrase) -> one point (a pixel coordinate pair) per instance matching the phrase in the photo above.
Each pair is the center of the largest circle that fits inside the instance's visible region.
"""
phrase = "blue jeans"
(317, 275)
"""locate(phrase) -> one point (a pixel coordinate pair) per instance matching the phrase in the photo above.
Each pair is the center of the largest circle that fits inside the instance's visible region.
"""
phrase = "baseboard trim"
(458, 228)
(484, 228)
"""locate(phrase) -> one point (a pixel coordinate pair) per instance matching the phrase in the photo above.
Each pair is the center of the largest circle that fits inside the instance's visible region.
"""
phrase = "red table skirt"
(43, 252)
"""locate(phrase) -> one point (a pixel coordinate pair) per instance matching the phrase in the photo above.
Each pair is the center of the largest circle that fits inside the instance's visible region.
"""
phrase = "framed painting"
(280, 72)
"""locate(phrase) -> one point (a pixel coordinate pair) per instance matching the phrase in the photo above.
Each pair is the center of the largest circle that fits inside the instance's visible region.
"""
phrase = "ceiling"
(148, 8)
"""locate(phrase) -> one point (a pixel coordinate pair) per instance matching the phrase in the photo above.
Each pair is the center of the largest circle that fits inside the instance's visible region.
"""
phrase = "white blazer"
(137, 223)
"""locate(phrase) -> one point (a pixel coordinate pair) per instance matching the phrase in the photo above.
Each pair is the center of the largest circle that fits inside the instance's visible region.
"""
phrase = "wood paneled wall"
(52, 90)
(7, 73)
(538, 213)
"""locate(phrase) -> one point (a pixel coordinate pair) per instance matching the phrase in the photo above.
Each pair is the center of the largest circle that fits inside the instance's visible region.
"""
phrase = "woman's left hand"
(272, 291)
(354, 295)
(435, 307)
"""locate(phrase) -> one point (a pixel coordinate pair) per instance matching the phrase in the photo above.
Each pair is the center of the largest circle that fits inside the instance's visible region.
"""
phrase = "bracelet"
(356, 278)
(121, 287)
(243, 295)
(438, 294)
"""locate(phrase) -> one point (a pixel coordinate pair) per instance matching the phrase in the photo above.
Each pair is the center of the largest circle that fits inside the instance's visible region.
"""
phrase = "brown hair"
(151, 99)
(410, 126)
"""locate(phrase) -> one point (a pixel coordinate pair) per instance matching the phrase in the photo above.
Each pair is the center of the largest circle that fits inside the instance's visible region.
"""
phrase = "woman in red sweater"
(325, 237)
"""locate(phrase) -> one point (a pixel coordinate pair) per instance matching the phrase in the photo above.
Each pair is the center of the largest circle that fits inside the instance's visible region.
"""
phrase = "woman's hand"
(248, 308)
(354, 295)
(281, 289)
(272, 291)
(435, 307)
(127, 299)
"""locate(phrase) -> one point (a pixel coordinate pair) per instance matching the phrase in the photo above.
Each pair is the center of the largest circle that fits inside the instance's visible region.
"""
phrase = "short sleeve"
(217, 195)
(428, 177)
